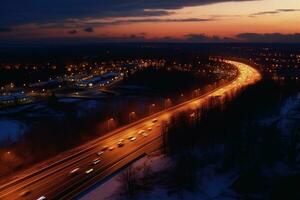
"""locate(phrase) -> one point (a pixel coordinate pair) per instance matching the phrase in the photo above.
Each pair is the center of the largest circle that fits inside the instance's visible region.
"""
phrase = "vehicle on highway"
(74, 171)
(154, 121)
(24, 193)
(111, 148)
(150, 129)
(121, 140)
(141, 132)
(104, 148)
(100, 153)
(120, 144)
(145, 134)
(89, 171)
(96, 161)
(133, 139)
(41, 198)
(129, 138)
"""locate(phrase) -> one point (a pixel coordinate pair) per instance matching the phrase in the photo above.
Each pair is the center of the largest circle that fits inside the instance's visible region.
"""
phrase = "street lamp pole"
(108, 123)
(131, 116)
(150, 107)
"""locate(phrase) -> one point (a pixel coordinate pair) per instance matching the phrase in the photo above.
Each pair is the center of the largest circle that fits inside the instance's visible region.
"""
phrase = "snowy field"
(11, 130)
(213, 185)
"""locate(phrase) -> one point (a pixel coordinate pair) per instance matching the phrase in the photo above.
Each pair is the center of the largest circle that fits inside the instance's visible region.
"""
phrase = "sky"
(150, 20)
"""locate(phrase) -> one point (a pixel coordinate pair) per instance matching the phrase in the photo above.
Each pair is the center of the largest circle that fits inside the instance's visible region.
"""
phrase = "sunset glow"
(149, 22)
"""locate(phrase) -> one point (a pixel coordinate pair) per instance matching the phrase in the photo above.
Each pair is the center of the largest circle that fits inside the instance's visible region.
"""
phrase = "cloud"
(16, 12)
(269, 37)
(202, 38)
(245, 37)
(190, 38)
(157, 20)
(72, 32)
(87, 24)
(89, 29)
(274, 12)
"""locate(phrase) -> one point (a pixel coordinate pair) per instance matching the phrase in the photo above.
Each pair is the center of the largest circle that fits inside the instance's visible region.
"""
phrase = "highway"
(56, 180)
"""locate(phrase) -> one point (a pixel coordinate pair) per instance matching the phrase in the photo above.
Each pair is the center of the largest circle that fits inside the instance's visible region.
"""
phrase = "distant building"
(102, 80)
(14, 98)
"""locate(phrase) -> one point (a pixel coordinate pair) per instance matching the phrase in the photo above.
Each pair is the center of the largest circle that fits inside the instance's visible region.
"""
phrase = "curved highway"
(81, 167)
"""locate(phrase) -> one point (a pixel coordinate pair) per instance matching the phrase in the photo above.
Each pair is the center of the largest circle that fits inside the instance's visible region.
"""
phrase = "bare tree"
(129, 182)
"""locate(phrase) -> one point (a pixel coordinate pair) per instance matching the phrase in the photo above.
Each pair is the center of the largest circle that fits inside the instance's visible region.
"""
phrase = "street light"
(131, 115)
(182, 97)
(111, 120)
(150, 107)
(167, 103)
(196, 92)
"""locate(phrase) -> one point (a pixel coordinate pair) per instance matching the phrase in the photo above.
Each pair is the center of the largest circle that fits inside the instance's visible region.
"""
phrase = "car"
(154, 121)
(145, 134)
(192, 115)
(24, 193)
(41, 198)
(104, 148)
(150, 129)
(96, 161)
(74, 171)
(130, 137)
(100, 153)
(121, 140)
(120, 144)
(111, 148)
(141, 132)
(133, 139)
(89, 171)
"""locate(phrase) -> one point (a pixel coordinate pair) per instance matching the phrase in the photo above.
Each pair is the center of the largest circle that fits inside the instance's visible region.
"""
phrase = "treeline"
(233, 136)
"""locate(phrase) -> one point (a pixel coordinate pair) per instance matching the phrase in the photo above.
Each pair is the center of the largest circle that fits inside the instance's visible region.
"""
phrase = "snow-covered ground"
(87, 106)
(288, 116)
(11, 130)
(212, 184)
(69, 100)
(110, 189)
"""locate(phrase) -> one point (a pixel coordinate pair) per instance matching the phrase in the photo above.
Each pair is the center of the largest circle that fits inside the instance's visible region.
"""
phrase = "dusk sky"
(150, 20)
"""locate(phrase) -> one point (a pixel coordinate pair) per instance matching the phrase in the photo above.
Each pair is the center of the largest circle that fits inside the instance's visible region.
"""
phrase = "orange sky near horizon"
(227, 20)
(230, 19)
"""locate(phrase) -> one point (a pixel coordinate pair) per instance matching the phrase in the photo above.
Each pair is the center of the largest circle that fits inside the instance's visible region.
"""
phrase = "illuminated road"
(56, 181)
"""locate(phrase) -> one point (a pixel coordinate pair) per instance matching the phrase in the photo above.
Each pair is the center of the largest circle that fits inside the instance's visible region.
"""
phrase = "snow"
(289, 114)
(105, 191)
(11, 129)
(290, 104)
(87, 106)
(15, 109)
(69, 100)
(110, 75)
(109, 189)
(212, 185)
(287, 117)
